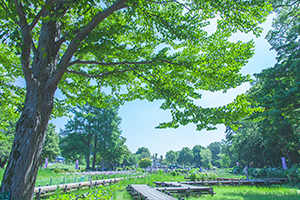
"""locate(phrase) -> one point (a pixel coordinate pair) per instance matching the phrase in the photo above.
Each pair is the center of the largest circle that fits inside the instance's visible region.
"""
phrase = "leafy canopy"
(139, 49)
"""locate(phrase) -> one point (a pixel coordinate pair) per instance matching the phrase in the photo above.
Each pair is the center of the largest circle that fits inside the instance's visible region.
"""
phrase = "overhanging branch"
(109, 64)
(100, 75)
(120, 63)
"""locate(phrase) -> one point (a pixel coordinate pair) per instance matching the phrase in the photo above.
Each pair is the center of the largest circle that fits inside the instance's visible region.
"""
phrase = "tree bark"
(88, 155)
(102, 164)
(21, 171)
(28, 143)
(95, 152)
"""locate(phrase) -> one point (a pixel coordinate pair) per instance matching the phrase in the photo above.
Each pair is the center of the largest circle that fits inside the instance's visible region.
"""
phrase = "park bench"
(147, 192)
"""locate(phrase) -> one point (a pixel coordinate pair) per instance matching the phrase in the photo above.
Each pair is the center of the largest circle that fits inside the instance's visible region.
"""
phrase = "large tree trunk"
(21, 171)
(28, 143)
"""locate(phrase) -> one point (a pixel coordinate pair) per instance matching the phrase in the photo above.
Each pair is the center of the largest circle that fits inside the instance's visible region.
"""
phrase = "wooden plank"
(150, 193)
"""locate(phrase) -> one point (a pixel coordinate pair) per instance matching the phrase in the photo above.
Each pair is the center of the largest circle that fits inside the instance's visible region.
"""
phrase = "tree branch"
(64, 62)
(109, 64)
(27, 40)
(21, 14)
(99, 75)
(38, 16)
(138, 74)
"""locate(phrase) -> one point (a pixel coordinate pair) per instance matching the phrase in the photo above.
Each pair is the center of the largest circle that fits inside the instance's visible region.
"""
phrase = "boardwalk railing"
(44, 190)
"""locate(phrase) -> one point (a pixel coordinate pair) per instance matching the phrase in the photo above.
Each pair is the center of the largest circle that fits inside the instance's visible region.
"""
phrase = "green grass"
(222, 192)
(118, 191)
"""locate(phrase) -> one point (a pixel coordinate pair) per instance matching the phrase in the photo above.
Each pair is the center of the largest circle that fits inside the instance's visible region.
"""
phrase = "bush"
(140, 170)
(145, 162)
(57, 170)
(160, 171)
(293, 173)
(119, 169)
(175, 173)
(201, 176)
(128, 168)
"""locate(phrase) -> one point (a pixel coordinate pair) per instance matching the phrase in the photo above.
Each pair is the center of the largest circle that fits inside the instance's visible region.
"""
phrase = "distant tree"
(206, 158)
(145, 162)
(93, 130)
(11, 94)
(130, 159)
(172, 156)
(215, 149)
(143, 152)
(197, 154)
(6, 142)
(185, 156)
(50, 149)
(51, 146)
(224, 160)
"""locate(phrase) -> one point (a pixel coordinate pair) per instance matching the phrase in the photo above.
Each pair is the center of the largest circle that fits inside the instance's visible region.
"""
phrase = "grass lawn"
(236, 193)
(118, 191)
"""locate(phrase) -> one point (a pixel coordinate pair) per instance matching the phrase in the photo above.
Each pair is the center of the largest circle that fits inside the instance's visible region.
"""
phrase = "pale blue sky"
(140, 117)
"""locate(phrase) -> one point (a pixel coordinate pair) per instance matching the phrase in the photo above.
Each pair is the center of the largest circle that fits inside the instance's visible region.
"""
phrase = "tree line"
(264, 137)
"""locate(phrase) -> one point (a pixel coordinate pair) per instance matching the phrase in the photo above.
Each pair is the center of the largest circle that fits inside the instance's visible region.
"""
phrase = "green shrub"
(175, 173)
(82, 170)
(160, 171)
(201, 176)
(140, 170)
(128, 168)
(119, 169)
(57, 170)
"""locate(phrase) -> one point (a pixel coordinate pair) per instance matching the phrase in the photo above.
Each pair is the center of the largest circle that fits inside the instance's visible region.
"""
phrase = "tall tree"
(143, 152)
(51, 146)
(96, 131)
(69, 44)
(185, 156)
(197, 154)
(6, 142)
(215, 148)
(172, 156)
(206, 158)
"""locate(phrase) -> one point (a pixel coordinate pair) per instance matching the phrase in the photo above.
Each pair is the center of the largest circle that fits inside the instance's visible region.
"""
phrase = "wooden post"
(66, 187)
(39, 194)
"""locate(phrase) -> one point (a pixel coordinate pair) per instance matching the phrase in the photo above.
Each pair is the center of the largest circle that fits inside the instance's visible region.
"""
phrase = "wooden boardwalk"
(181, 187)
(149, 193)
(237, 182)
